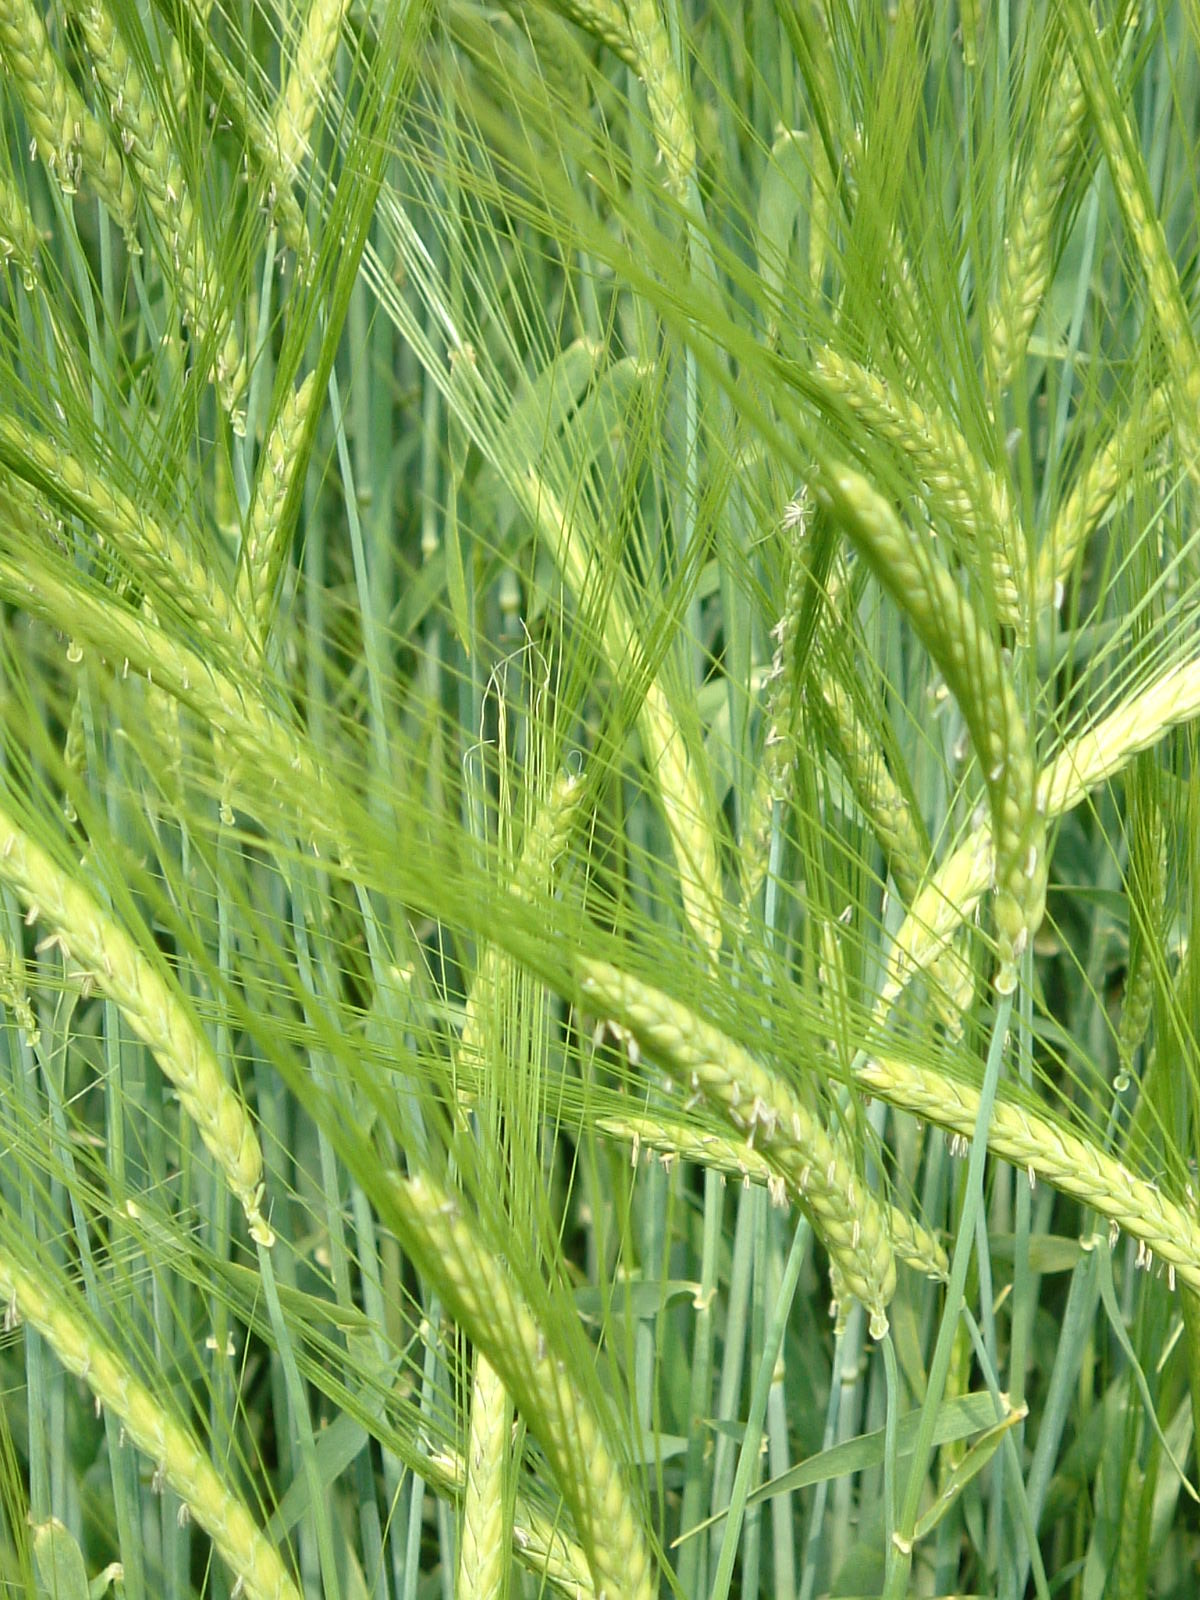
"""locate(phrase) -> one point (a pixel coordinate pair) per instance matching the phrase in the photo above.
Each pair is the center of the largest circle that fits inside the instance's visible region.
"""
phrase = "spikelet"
(305, 84)
(71, 143)
(265, 548)
(666, 94)
(14, 995)
(136, 117)
(238, 716)
(1025, 273)
(89, 936)
(483, 1547)
(1047, 1148)
(949, 897)
(48, 1305)
(913, 1244)
(484, 1301)
(971, 663)
(846, 1216)
(959, 489)
(20, 240)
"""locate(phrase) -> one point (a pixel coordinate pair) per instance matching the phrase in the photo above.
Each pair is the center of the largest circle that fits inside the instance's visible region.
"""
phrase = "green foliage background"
(566, 635)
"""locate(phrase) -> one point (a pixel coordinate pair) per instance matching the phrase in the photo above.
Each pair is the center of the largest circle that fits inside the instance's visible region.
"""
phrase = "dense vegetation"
(598, 659)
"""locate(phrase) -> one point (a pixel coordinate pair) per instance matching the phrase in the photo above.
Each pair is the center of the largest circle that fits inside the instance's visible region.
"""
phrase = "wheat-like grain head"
(773, 1118)
(55, 1311)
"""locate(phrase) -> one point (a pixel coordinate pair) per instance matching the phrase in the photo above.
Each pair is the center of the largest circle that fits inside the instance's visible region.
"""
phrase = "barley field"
(599, 799)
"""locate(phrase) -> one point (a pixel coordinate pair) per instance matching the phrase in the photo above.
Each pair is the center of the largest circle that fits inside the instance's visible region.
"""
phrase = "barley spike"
(483, 1299)
(947, 625)
(305, 84)
(70, 141)
(152, 155)
(959, 489)
(483, 1550)
(90, 937)
(758, 1103)
(913, 1243)
(54, 1310)
(1039, 1143)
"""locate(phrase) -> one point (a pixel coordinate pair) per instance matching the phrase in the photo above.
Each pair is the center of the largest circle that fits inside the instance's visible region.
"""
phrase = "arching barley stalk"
(1046, 1148)
(55, 1310)
(847, 1217)
(139, 123)
(242, 723)
(603, 20)
(672, 1139)
(81, 488)
(91, 939)
(483, 1300)
(947, 625)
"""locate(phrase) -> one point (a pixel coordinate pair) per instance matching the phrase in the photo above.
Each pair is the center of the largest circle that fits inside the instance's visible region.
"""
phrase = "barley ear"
(687, 808)
(1025, 272)
(949, 896)
(772, 1117)
(1095, 489)
(482, 1298)
(65, 134)
(603, 20)
(967, 497)
(671, 1138)
(1047, 1148)
(1131, 182)
(265, 550)
(82, 487)
(57, 1313)
(666, 94)
(947, 625)
(87, 935)
(305, 84)
(547, 838)
(136, 116)
(484, 1546)
(20, 240)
